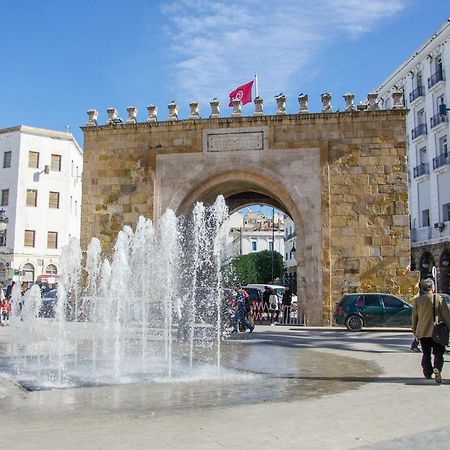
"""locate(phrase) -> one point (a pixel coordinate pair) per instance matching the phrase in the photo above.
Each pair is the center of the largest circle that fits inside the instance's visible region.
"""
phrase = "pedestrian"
(241, 310)
(266, 301)
(9, 290)
(286, 304)
(426, 308)
(5, 310)
(274, 307)
(2, 300)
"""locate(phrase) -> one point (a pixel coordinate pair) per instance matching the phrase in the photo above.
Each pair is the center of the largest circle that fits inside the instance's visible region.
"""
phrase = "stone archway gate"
(342, 177)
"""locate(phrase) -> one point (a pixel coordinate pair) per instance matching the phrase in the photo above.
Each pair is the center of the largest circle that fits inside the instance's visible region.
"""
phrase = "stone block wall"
(363, 212)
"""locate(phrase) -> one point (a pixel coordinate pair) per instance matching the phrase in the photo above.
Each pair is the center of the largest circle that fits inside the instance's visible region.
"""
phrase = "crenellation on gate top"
(370, 105)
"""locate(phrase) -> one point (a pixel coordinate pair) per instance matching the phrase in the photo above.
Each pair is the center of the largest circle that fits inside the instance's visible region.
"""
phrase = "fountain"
(154, 312)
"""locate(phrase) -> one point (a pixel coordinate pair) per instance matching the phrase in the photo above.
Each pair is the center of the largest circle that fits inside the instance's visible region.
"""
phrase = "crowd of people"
(6, 298)
(271, 308)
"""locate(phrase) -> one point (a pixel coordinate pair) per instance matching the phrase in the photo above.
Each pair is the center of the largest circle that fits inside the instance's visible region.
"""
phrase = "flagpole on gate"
(256, 86)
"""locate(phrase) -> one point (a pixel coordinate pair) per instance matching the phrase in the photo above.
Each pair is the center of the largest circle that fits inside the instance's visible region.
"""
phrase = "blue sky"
(60, 58)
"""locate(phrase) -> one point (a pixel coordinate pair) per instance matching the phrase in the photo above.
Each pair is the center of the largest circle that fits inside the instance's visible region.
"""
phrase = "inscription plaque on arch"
(234, 141)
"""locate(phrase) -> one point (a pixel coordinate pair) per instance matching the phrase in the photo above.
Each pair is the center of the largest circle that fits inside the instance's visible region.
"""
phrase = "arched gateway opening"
(243, 188)
(340, 178)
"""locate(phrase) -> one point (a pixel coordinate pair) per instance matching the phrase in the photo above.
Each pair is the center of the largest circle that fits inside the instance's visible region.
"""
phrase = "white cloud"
(215, 45)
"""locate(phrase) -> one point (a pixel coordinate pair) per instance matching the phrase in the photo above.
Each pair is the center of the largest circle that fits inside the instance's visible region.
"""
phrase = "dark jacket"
(287, 298)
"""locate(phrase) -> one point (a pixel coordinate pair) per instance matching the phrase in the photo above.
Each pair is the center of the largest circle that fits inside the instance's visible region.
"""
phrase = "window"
(51, 269)
(29, 238)
(53, 200)
(52, 239)
(426, 218)
(421, 116)
(70, 204)
(5, 197)
(446, 212)
(71, 168)
(443, 145)
(56, 163)
(28, 272)
(2, 272)
(271, 246)
(253, 246)
(31, 197)
(33, 160)
(76, 208)
(438, 62)
(3, 240)
(392, 302)
(418, 79)
(423, 158)
(439, 100)
(371, 300)
(7, 159)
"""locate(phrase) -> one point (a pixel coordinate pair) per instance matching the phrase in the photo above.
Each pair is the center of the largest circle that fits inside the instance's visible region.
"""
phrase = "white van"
(279, 290)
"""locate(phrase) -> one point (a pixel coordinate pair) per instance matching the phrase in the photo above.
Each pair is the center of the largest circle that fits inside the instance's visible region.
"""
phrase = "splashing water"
(153, 312)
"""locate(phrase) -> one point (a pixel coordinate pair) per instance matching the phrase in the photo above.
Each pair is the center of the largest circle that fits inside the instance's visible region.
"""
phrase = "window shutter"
(53, 200)
(29, 238)
(52, 239)
(56, 163)
(5, 197)
(33, 160)
(31, 197)
(7, 159)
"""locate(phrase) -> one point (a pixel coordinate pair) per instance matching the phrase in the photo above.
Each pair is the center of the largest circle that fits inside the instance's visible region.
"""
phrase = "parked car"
(48, 304)
(371, 309)
(446, 298)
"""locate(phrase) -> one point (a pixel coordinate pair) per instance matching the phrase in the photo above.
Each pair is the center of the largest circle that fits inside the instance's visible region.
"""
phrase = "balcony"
(421, 234)
(435, 78)
(437, 119)
(441, 160)
(420, 170)
(420, 130)
(416, 93)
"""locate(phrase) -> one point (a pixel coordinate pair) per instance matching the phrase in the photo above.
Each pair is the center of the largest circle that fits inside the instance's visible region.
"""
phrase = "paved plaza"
(299, 388)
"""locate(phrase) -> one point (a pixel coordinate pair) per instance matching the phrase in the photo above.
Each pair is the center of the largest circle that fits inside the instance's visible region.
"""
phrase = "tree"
(254, 268)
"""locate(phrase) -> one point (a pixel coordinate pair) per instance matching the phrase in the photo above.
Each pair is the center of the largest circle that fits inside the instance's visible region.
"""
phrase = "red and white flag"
(242, 93)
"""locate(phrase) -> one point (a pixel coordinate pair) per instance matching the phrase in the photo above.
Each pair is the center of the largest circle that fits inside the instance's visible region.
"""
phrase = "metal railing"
(435, 78)
(421, 169)
(441, 160)
(416, 93)
(419, 130)
(437, 119)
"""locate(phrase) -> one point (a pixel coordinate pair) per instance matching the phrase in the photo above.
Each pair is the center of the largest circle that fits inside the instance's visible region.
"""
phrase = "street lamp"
(3, 221)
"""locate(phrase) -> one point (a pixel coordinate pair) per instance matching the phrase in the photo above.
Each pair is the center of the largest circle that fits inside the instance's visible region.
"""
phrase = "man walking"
(241, 310)
(286, 304)
(426, 308)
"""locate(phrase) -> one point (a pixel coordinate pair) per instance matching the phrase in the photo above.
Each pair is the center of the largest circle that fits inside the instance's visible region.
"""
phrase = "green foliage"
(253, 268)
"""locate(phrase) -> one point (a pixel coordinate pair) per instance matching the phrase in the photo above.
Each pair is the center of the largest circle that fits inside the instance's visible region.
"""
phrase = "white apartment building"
(40, 194)
(424, 80)
(253, 232)
(290, 239)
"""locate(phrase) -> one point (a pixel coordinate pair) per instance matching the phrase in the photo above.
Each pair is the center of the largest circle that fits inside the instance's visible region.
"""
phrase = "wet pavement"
(285, 387)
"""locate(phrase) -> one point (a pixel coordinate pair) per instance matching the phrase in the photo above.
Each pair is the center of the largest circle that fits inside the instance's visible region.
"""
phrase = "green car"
(371, 309)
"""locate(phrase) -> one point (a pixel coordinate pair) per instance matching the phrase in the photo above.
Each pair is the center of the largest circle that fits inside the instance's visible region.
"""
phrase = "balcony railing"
(437, 119)
(435, 78)
(419, 130)
(421, 234)
(416, 93)
(441, 160)
(421, 169)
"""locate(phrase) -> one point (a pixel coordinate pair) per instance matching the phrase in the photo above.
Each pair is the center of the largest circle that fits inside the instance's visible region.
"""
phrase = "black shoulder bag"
(440, 330)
